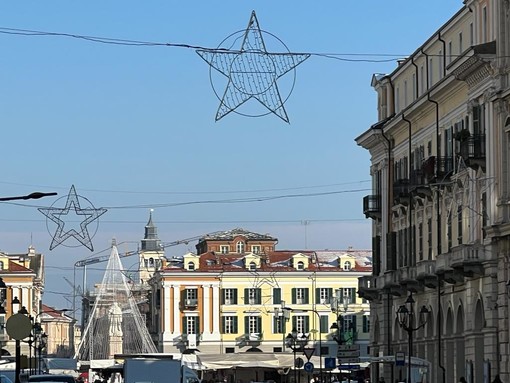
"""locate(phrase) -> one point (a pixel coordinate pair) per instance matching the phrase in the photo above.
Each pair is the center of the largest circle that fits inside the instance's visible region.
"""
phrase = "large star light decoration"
(252, 73)
(82, 235)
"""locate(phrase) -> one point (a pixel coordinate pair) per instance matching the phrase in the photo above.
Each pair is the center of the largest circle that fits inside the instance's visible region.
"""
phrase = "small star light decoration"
(86, 215)
(252, 73)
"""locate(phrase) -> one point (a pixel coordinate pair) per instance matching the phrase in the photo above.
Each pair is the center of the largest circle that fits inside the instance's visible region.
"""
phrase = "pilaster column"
(176, 329)
(216, 309)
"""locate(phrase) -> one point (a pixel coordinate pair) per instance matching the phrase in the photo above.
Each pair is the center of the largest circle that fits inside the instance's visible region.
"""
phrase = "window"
(414, 87)
(366, 323)
(252, 296)
(278, 324)
(190, 325)
(301, 323)
(191, 266)
(224, 249)
(300, 265)
(420, 241)
(429, 235)
(1, 265)
(459, 224)
(405, 94)
(229, 325)
(277, 296)
(347, 266)
(471, 35)
(449, 231)
(460, 43)
(190, 297)
(449, 52)
(348, 324)
(229, 296)
(348, 294)
(253, 325)
(323, 295)
(151, 262)
(240, 247)
(422, 81)
(440, 63)
(255, 249)
(431, 73)
(253, 266)
(300, 296)
(397, 99)
(484, 25)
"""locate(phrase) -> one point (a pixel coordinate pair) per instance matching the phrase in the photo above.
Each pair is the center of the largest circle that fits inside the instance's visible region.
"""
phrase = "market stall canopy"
(226, 361)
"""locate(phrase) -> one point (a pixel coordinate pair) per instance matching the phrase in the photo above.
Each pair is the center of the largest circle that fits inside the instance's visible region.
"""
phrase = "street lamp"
(338, 326)
(282, 315)
(296, 341)
(405, 317)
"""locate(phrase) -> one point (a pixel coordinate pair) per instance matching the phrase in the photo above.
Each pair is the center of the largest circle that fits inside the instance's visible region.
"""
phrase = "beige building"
(239, 294)
(440, 201)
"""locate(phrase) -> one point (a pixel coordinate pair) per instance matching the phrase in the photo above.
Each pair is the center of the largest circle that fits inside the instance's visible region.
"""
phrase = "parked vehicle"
(50, 378)
(157, 370)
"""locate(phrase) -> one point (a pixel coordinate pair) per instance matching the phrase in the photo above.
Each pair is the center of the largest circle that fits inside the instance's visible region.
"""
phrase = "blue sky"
(133, 127)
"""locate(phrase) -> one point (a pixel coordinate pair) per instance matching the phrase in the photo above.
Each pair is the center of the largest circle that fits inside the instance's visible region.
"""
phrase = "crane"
(104, 258)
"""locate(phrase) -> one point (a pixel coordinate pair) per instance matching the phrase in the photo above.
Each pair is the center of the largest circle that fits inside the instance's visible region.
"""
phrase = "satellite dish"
(18, 326)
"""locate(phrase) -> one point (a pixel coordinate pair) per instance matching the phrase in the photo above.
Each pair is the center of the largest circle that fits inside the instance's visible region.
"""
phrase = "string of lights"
(348, 57)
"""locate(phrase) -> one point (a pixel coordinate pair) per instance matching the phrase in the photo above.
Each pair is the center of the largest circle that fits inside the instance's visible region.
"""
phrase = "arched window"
(191, 266)
(240, 247)
(151, 262)
(253, 266)
(347, 266)
(300, 265)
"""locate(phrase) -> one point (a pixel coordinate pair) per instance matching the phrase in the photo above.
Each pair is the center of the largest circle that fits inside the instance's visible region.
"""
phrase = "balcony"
(437, 169)
(252, 339)
(190, 303)
(392, 285)
(372, 206)
(468, 259)
(367, 288)
(418, 184)
(408, 280)
(426, 273)
(401, 194)
(445, 270)
(472, 151)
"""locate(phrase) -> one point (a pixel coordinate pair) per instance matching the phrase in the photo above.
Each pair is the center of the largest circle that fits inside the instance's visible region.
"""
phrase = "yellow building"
(238, 293)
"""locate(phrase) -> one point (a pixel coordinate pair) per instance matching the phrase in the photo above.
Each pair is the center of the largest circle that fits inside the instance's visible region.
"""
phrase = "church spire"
(150, 242)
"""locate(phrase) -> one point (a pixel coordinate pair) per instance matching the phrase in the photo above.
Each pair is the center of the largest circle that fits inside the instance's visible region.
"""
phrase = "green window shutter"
(294, 322)
(222, 296)
(234, 325)
(317, 295)
(258, 296)
(246, 324)
(235, 296)
(184, 328)
(324, 324)
(307, 298)
(277, 296)
(259, 325)
(365, 323)
(307, 324)
(246, 296)
(353, 295)
(330, 293)
(275, 325)
(223, 325)
(341, 297)
(354, 325)
(293, 291)
(197, 325)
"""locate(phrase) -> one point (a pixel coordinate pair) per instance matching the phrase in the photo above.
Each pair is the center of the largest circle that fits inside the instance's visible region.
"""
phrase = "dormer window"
(224, 249)
(255, 249)
(347, 266)
(191, 266)
(300, 265)
(240, 247)
(253, 266)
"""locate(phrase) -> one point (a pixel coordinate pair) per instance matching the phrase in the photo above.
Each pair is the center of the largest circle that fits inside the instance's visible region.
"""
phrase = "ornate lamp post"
(296, 341)
(405, 317)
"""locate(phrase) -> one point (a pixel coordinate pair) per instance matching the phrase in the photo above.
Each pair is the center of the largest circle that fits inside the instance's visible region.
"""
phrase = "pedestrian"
(462, 380)
(497, 380)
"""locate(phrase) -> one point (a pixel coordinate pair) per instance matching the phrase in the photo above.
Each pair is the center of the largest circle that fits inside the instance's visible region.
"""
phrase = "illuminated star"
(252, 72)
(72, 204)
